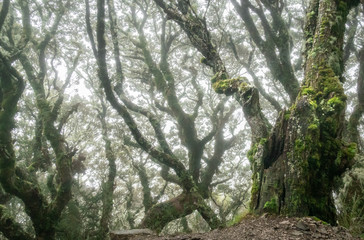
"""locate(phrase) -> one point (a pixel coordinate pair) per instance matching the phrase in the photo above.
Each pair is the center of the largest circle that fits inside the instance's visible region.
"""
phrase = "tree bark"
(108, 186)
(305, 152)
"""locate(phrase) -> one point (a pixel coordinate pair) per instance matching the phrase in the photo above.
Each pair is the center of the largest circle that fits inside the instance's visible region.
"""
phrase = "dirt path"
(267, 227)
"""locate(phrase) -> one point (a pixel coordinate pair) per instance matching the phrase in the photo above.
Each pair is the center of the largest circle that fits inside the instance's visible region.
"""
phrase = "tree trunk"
(184, 204)
(109, 185)
(295, 168)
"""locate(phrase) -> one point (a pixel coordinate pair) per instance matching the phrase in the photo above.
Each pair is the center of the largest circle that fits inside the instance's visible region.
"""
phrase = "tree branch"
(4, 12)
(161, 157)
(109, 185)
(358, 112)
(247, 66)
(280, 66)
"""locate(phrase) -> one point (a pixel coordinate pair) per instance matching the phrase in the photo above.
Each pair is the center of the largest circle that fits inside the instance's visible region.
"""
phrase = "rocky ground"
(265, 227)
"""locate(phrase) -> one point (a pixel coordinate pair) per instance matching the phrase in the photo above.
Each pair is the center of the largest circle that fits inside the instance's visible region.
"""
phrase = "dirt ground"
(266, 227)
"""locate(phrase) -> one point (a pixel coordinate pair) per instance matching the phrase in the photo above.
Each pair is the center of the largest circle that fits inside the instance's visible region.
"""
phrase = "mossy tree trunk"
(109, 185)
(305, 153)
(182, 205)
(295, 163)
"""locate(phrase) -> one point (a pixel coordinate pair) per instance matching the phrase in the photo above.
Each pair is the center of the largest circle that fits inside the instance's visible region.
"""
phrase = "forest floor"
(266, 227)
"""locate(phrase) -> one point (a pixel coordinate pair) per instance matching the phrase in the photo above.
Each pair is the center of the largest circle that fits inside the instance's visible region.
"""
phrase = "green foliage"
(299, 145)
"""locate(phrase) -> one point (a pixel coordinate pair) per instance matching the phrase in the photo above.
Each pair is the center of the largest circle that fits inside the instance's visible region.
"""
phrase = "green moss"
(348, 151)
(219, 76)
(319, 220)
(313, 104)
(253, 150)
(296, 201)
(271, 206)
(263, 141)
(313, 126)
(256, 169)
(244, 86)
(299, 146)
(336, 102)
(310, 14)
(287, 115)
(307, 91)
(251, 153)
(255, 185)
(214, 78)
(329, 82)
(227, 86)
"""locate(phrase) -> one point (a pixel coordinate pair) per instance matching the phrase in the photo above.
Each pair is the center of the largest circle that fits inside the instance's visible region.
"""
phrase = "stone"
(348, 235)
(322, 230)
(312, 227)
(302, 226)
(296, 233)
(284, 222)
(336, 229)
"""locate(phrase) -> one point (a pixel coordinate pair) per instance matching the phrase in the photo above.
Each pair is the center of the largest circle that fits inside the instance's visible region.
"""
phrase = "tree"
(294, 164)
(351, 195)
(24, 55)
(124, 119)
(195, 180)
